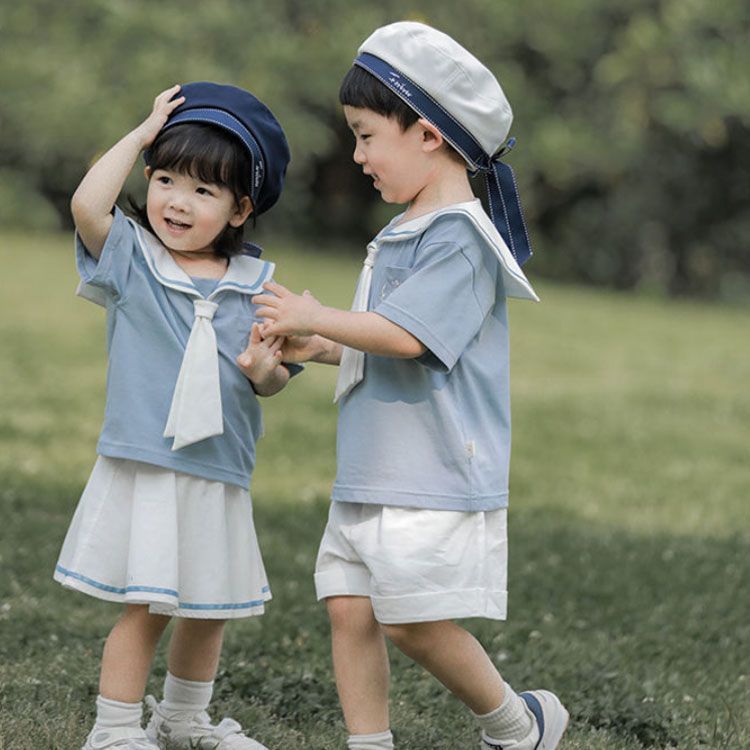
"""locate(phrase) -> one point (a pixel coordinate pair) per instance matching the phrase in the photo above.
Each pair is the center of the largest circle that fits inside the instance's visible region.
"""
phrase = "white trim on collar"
(245, 274)
(516, 283)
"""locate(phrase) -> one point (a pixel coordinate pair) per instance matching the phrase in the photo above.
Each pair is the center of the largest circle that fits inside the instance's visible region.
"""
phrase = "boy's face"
(394, 158)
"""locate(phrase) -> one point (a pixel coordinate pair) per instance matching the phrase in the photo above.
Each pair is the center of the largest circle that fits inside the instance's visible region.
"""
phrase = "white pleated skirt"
(183, 545)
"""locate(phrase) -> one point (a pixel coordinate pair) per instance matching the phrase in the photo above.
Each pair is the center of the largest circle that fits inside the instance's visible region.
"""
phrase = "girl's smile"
(176, 227)
(187, 214)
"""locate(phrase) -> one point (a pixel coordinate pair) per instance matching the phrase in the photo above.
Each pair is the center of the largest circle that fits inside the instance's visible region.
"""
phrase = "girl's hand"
(92, 202)
(261, 357)
(286, 313)
(164, 105)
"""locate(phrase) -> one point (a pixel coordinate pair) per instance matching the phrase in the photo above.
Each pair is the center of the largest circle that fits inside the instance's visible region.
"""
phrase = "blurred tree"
(632, 116)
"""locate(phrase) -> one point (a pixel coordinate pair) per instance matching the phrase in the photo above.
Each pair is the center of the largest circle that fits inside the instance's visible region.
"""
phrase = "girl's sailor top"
(434, 432)
(175, 396)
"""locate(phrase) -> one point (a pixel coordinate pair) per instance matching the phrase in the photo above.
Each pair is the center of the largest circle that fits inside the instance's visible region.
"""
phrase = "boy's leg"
(360, 664)
(455, 658)
(360, 659)
(458, 660)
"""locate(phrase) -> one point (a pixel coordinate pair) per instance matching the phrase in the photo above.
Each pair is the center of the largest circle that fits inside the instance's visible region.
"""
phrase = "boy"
(416, 535)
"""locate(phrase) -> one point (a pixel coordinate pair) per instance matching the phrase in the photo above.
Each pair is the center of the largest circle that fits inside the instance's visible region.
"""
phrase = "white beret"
(449, 74)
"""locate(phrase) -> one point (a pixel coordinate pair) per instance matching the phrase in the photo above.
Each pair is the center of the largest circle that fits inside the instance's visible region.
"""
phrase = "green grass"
(630, 549)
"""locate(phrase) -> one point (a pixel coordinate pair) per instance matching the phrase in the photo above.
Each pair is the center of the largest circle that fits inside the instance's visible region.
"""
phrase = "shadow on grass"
(642, 636)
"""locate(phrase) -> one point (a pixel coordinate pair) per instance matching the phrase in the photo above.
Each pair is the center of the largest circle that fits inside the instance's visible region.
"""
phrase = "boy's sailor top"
(175, 396)
(434, 432)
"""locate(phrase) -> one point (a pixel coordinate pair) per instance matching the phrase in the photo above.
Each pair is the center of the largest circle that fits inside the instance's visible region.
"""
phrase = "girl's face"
(186, 214)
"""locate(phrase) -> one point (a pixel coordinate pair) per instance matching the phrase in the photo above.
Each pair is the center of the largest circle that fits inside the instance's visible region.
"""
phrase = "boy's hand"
(286, 313)
(261, 358)
(298, 349)
(163, 108)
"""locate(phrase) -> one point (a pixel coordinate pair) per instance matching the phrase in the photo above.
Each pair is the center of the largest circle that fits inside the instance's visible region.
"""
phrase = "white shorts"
(416, 565)
(184, 545)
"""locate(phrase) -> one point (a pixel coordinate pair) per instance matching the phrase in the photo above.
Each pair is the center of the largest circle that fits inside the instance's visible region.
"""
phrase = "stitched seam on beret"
(419, 111)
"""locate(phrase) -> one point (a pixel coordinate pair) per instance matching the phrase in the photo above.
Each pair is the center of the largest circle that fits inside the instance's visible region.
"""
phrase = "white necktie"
(196, 412)
(352, 366)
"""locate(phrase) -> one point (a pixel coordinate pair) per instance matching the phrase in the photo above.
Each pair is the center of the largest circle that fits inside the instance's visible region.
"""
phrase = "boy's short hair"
(362, 90)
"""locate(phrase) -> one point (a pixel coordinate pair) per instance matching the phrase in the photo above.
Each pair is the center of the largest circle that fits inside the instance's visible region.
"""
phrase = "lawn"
(629, 524)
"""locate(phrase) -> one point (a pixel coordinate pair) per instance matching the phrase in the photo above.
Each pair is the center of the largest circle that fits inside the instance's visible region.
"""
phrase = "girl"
(165, 521)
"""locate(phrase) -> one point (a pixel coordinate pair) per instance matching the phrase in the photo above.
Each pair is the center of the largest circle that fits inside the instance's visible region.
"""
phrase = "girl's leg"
(360, 663)
(181, 719)
(128, 654)
(194, 651)
(195, 648)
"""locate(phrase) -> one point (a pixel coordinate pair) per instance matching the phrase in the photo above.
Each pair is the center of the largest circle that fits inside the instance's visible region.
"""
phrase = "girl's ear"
(147, 171)
(432, 138)
(241, 212)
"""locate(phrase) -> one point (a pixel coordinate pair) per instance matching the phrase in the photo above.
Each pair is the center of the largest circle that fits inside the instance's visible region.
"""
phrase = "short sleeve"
(105, 278)
(444, 300)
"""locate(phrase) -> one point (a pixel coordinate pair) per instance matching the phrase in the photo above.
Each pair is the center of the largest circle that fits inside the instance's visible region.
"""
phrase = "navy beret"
(244, 115)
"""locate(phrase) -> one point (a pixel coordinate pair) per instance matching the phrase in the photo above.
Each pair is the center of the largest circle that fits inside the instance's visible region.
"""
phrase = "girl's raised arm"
(95, 197)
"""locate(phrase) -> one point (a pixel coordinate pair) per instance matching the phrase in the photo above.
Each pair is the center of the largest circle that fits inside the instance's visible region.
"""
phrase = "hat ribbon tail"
(506, 212)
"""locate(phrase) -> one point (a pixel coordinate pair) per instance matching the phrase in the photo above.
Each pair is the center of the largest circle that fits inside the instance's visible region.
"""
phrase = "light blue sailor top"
(434, 432)
(152, 307)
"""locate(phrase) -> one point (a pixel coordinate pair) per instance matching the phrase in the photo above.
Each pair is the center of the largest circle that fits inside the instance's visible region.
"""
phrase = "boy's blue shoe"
(551, 720)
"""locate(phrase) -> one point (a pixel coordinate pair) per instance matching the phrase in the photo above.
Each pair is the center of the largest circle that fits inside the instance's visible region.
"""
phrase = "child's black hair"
(362, 89)
(207, 153)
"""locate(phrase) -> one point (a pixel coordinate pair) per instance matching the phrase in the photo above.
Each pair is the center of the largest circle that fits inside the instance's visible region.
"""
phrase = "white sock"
(381, 741)
(185, 696)
(511, 723)
(111, 713)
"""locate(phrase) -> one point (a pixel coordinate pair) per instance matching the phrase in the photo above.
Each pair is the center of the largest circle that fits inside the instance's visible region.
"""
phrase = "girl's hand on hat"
(286, 313)
(164, 105)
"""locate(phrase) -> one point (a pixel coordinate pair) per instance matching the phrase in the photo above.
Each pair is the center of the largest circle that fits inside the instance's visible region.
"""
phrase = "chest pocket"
(393, 277)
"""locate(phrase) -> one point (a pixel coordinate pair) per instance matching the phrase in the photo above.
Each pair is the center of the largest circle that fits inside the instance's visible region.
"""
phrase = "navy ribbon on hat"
(502, 191)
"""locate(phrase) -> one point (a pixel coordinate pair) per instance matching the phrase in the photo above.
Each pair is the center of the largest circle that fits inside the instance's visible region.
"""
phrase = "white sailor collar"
(515, 282)
(245, 274)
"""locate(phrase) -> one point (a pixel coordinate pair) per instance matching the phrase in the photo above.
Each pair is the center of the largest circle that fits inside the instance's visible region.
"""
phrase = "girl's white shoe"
(118, 738)
(196, 732)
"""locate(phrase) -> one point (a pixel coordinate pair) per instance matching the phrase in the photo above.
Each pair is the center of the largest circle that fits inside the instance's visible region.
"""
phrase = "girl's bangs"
(200, 151)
